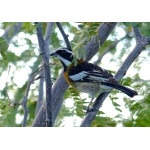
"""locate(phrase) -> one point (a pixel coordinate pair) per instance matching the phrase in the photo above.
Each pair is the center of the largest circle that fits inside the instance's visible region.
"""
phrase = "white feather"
(79, 76)
(65, 49)
(65, 61)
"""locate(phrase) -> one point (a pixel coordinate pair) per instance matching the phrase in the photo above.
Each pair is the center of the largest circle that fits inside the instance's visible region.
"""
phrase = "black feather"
(124, 89)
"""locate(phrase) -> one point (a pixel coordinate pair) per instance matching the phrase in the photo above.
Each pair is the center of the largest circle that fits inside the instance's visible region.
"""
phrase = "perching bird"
(87, 77)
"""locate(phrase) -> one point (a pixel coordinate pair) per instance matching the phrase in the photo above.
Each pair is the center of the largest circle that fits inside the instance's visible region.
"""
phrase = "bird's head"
(64, 55)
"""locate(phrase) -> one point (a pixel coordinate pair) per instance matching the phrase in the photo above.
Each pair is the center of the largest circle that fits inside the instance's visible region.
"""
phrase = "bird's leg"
(88, 109)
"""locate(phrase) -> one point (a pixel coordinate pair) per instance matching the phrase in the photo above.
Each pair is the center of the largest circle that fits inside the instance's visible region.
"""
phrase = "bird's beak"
(53, 54)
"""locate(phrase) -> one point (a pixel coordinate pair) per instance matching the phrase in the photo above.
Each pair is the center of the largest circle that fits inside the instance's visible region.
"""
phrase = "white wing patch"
(91, 76)
(79, 76)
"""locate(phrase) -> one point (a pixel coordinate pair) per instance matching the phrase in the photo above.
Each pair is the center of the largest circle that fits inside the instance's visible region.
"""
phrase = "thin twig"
(47, 75)
(64, 35)
(40, 94)
(108, 49)
(141, 44)
(25, 98)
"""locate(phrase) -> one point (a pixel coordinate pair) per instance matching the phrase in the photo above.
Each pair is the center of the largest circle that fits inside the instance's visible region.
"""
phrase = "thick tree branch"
(46, 74)
(58, 90)
(56, 93)
(64, 35)
(105, 30)
(48, 34)
(47, 38)
(92, 47)
(141, 44)
(60, 86)
(137, 34)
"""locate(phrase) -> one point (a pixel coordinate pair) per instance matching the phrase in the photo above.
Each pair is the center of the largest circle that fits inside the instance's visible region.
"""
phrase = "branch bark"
(60, 85)
(141, 44)
(25, 98)
(108, 49)
(40, 95)
(64, 35)
(47, 38)
(13, 30)
(46, 69)
(96, 42)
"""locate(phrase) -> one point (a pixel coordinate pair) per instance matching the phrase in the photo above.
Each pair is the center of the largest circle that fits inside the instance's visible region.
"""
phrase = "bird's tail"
(127, 91)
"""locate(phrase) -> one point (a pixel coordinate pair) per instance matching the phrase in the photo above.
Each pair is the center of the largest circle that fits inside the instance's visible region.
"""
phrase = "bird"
(87, 77)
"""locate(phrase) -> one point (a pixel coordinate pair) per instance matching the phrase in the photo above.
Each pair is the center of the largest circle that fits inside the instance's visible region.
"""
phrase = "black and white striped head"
(64, 55)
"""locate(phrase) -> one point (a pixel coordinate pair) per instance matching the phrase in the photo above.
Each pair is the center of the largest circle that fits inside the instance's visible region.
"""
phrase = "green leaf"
(115, 104)
(3, 55)
(3, 47)
(118, 109)
(127, 23)
(133, 24)
(73, 29)
(136, 24)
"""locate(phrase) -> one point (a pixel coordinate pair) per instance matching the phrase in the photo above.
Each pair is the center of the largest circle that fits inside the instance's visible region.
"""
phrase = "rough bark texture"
(46, 69)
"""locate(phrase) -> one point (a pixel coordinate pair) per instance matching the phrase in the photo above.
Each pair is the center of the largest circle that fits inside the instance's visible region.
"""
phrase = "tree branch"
(64, 35)
(46, 69)
(8, 34)
(57, 94)
(137, 34)
(141, 44)
(92, 47)
(48, 33)
(60, 85)
(105, 30)
(58, 90)
(25, 98)
(108, 49)
(40, 95)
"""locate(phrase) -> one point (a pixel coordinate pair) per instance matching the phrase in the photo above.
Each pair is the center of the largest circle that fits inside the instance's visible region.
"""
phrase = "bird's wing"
(87, 72)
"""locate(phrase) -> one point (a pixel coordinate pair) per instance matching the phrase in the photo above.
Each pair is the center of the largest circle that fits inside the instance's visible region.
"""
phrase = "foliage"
(20, 57)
